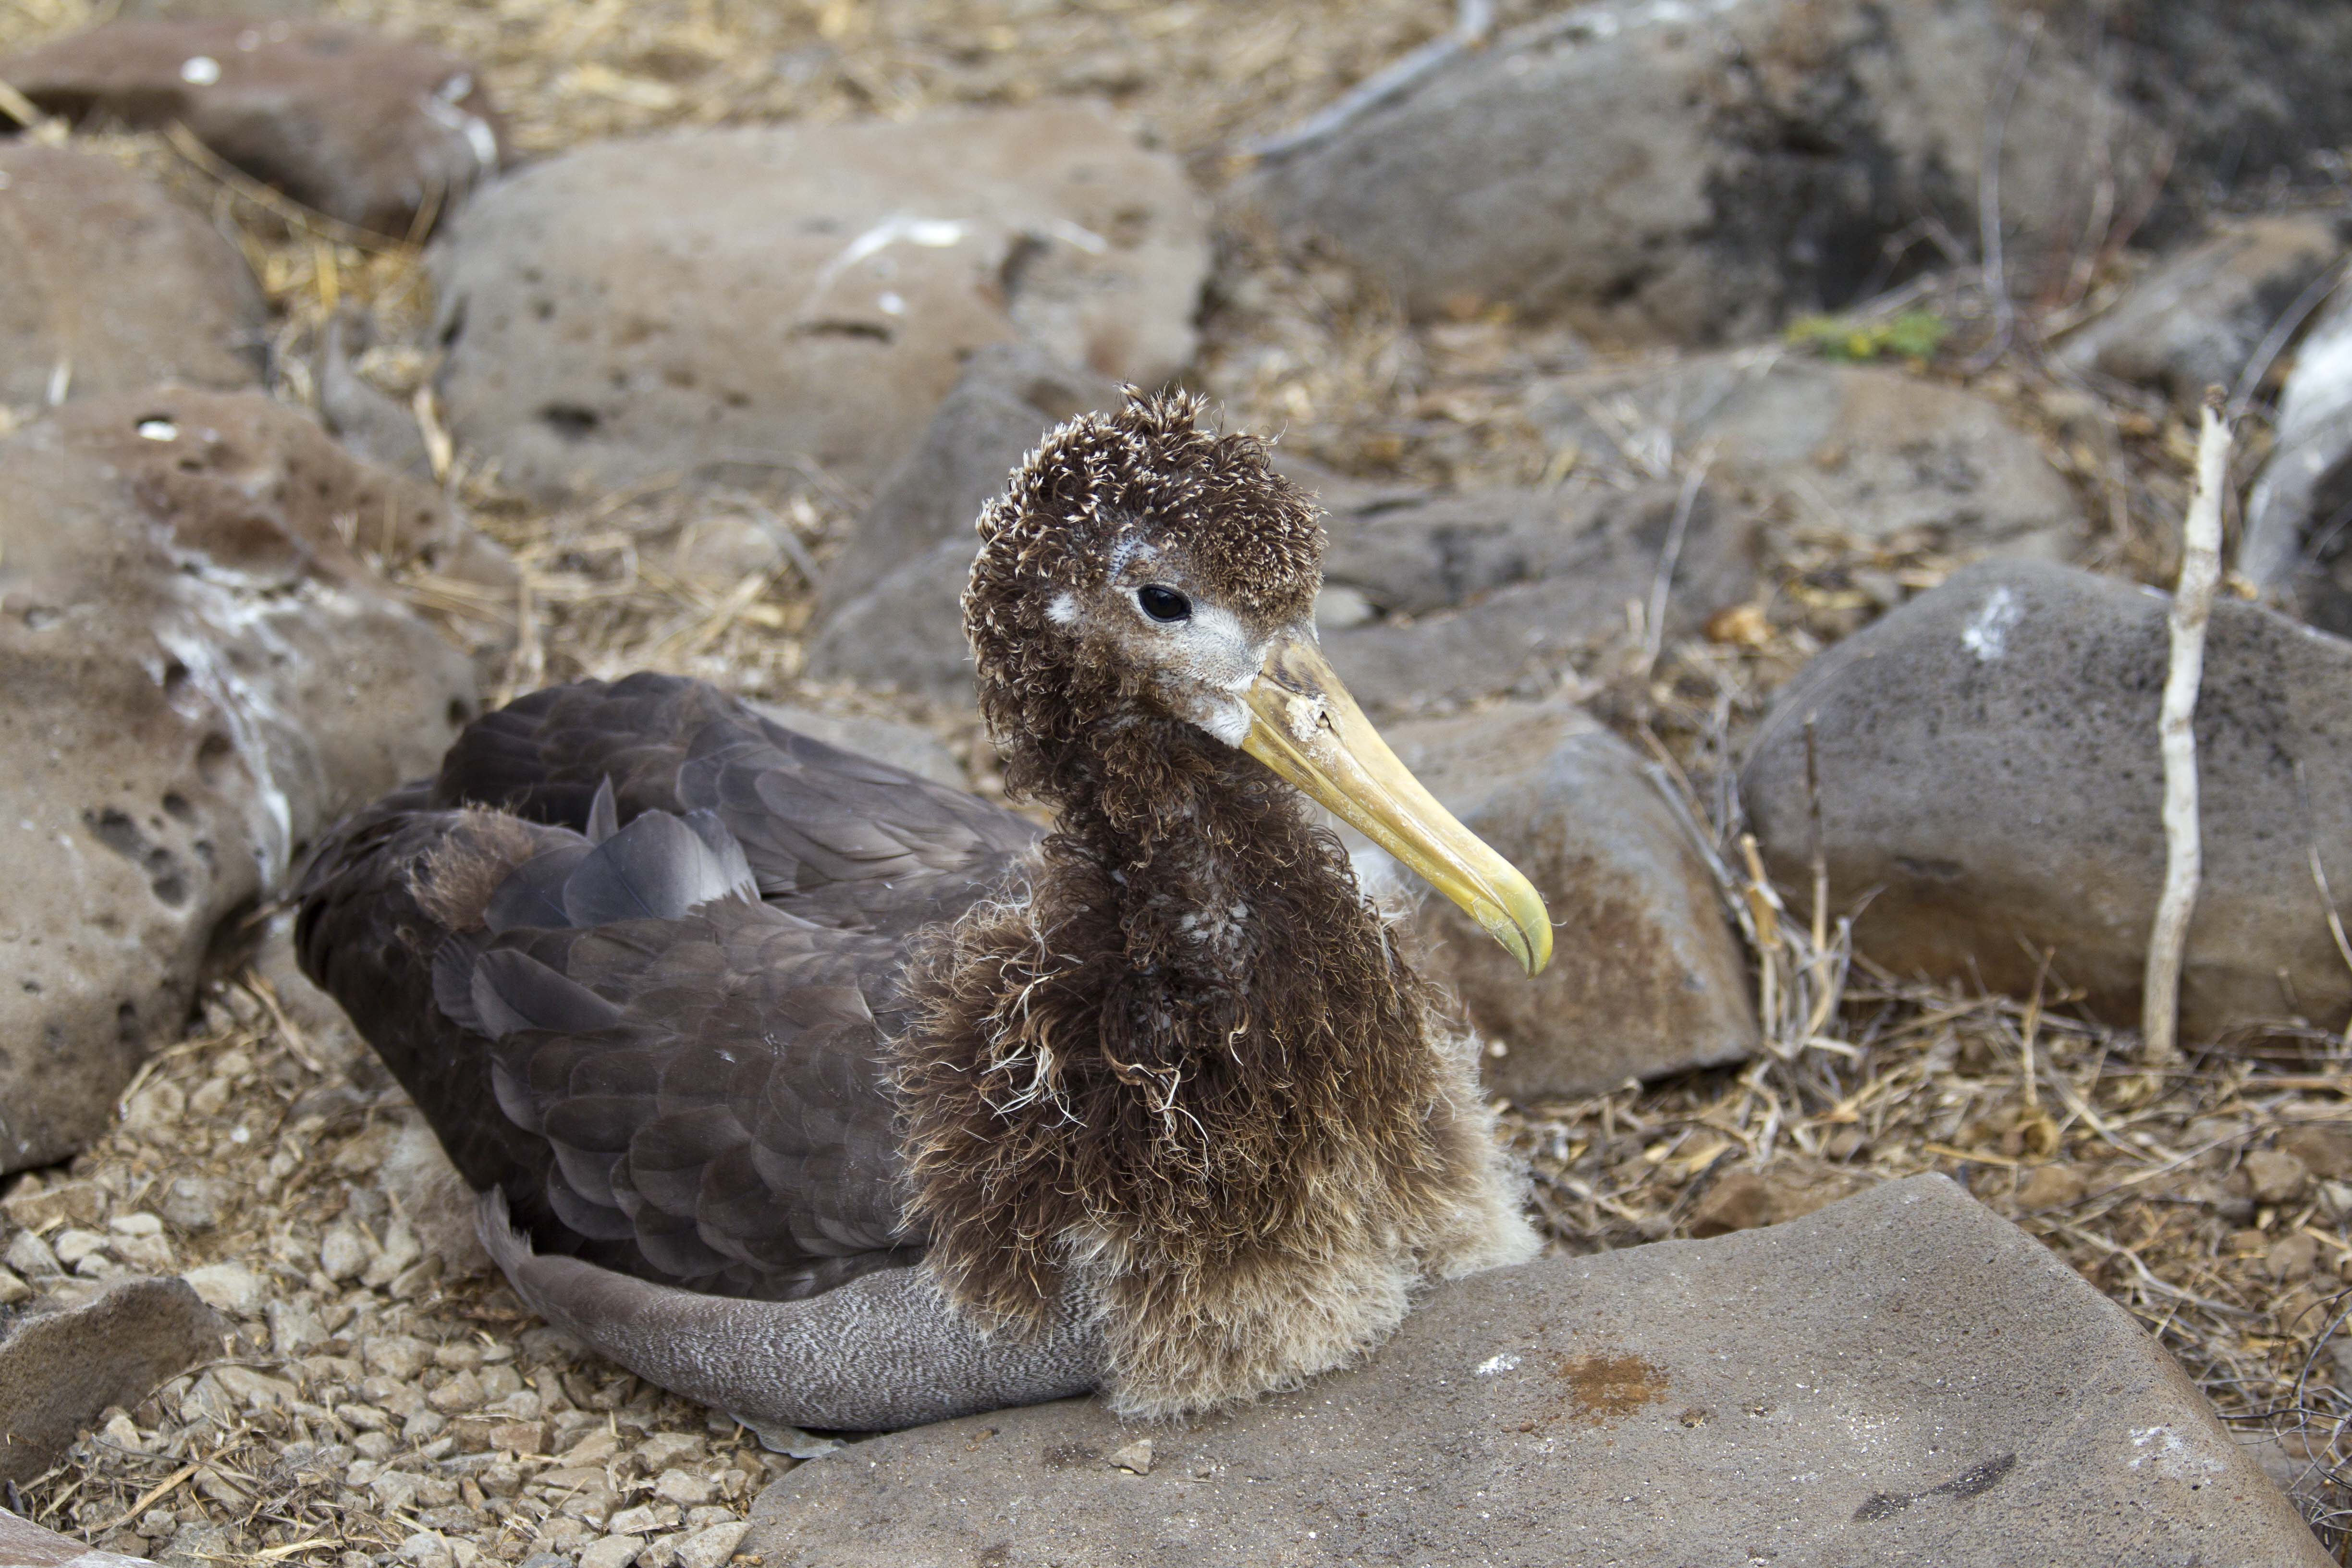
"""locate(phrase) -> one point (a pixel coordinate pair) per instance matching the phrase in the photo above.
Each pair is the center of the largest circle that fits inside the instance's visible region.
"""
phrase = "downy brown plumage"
(715, 1006)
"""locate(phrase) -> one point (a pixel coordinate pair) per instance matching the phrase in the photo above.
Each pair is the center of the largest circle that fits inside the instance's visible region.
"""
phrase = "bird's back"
(635, 951)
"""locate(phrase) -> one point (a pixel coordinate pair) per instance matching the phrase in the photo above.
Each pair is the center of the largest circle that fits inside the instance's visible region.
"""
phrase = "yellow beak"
(1305, 726)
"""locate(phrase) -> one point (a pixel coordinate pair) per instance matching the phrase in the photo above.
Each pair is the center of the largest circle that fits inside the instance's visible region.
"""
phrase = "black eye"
(1163, 603)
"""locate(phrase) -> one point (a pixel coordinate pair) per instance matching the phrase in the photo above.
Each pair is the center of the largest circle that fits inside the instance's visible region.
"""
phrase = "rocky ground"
(1659, 486)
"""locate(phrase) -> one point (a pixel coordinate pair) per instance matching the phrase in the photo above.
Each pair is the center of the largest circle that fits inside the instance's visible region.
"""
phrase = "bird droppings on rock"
(1985, 760)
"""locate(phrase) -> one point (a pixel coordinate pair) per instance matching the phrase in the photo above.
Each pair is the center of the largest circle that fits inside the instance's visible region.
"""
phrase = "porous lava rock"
(375, 132)
(203, 673)
(60, 1370)
(1904, 1377)
(108, 285)
(1645, 978)
(801, 294)
(1696, 172)
(1991, 790)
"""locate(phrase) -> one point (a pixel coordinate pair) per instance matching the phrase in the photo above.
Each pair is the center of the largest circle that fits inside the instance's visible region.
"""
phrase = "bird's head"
(1142, 572)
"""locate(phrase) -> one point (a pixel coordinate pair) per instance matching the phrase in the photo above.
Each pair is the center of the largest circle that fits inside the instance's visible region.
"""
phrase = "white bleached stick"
(2192, 605)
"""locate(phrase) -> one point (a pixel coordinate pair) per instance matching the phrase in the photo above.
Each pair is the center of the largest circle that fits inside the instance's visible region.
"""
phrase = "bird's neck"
(1186, 1014)
(1200, 870)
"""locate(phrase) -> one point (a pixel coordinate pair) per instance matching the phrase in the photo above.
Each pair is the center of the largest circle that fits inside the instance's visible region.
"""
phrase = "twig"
(186, 144)
(2319, 879)
(1988, 235)
(2274, 341)
(19, 108)
(1654, 633)
(1473, 20)
(2192, 606)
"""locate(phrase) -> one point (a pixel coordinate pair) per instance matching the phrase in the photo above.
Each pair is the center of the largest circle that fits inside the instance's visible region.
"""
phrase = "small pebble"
(713, 1547)
(230, 1288)
(148, 1254)
(341, 1254)
(192, 1202)
(685, 1489)
(29, 1255)
(139, 1222)
(2275, 1175)
(1136, 1456)
(72, 1245)
(612, 1551)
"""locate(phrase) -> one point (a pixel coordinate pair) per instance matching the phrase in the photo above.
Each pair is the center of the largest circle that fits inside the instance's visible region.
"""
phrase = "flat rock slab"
(24, 1544)
(60, 1371)
(1867, 450)
(1904, 1377)
(802, 294)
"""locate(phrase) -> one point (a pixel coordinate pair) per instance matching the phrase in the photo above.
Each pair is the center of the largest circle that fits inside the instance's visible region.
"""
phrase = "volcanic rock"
(1696, 172)
(1645, 978)
(361, 128)
(1902, 1377)
(1477, 592)
(108, 285)
(2196, 318)
(1990, 784)
(802, 294)
(1869, 451)
(59, 1370)
(893, 616)
(2298, 542)
(203, 675)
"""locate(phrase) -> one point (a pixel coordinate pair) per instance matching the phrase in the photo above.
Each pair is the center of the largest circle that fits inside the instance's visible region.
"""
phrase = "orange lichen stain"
(1606, 1388)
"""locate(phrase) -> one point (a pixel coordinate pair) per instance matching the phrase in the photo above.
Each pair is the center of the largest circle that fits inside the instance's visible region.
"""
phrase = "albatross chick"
(811, 1088)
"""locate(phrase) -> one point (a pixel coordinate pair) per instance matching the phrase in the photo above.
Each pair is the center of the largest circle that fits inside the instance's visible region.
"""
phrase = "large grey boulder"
(1901, 1378)
(375, 132)
(893, 614)
(1694, 172)
(802, 294)
(1471, 594)
(2197, 317)
(1646, 978)
(1006, 399)
(2248, 91)
(108, 285)
(2298, 542)
(1866, 451)
(202, 673)
(60, 1370)
(1990, 783)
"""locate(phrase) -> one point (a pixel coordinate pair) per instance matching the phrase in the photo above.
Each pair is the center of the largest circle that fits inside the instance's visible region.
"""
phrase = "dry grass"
(2140, 1179)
